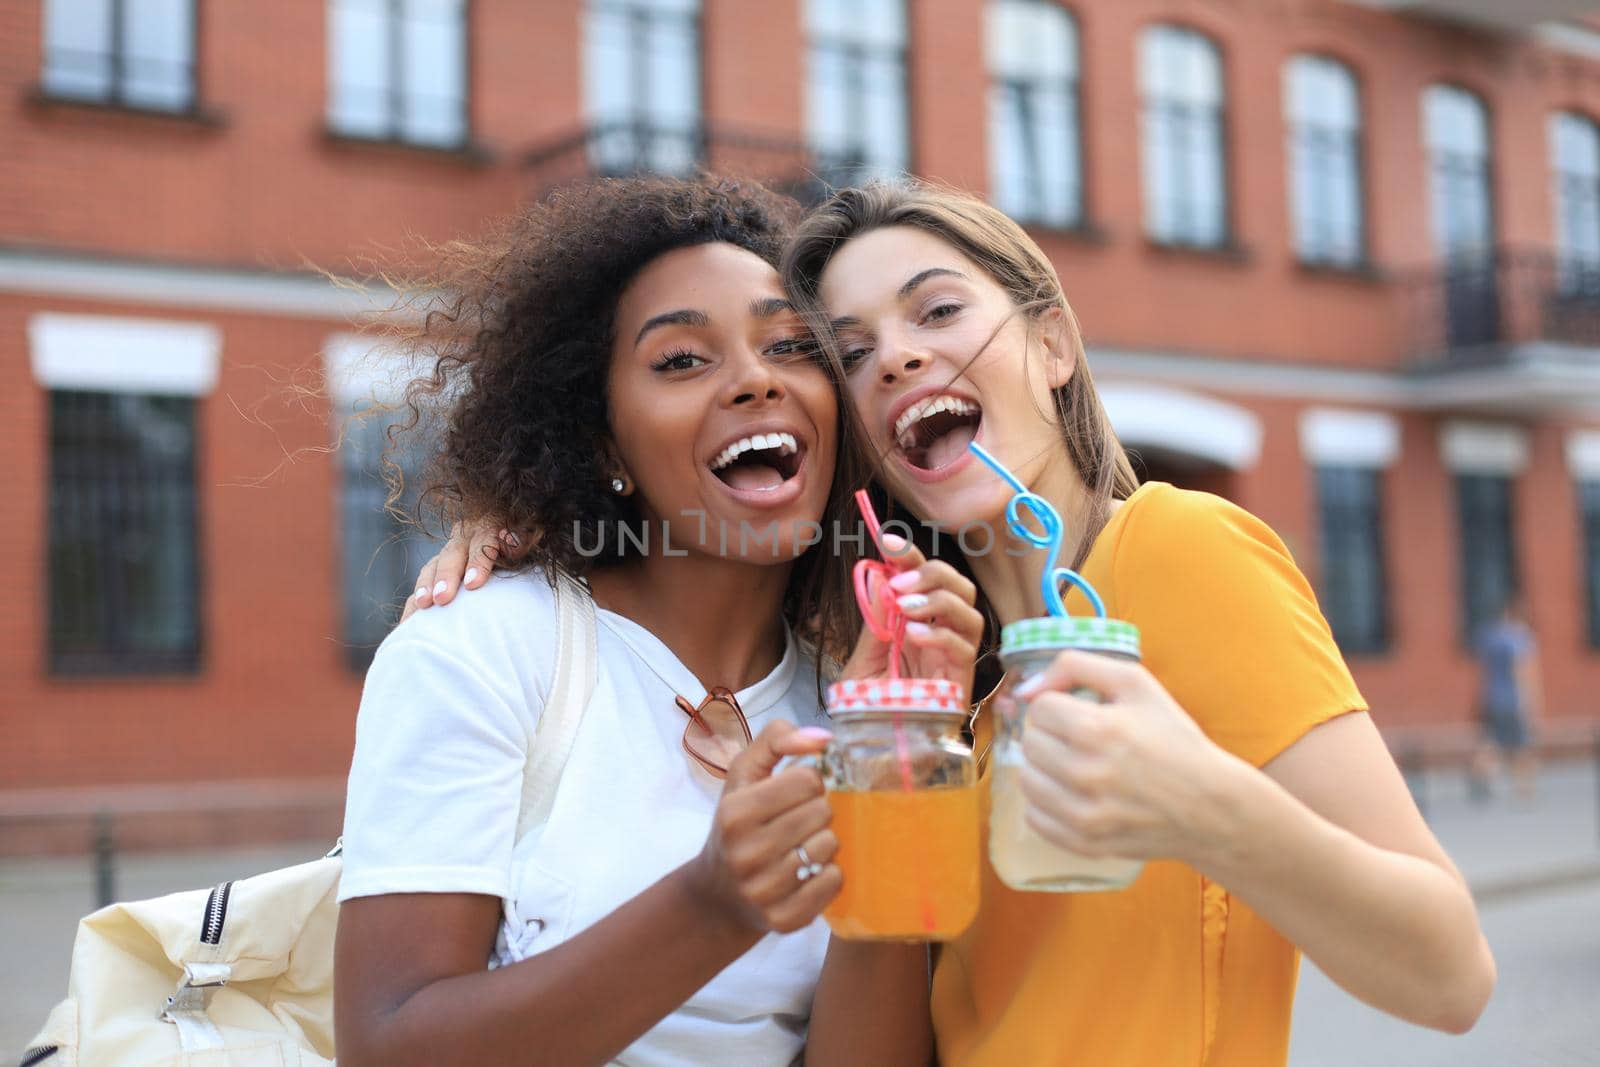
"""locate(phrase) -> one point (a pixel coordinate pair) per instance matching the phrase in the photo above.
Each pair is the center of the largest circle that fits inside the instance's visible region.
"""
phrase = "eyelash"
(666, 360)
(850, 357)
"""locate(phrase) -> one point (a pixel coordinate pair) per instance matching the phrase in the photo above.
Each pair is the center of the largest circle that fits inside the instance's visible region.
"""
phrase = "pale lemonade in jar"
(1022, 858)
(902, 785)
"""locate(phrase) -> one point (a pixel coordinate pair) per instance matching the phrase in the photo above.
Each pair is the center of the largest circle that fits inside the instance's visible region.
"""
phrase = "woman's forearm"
(871, 1007)
(582, 1002)
(1398, 931)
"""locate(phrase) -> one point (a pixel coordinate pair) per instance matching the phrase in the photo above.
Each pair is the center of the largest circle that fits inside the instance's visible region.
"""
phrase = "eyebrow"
(770, 306)
(923, 275)
(681, 317)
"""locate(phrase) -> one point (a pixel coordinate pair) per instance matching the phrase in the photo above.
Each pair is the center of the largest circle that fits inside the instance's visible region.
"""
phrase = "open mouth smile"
(932, 432)
(762, 468)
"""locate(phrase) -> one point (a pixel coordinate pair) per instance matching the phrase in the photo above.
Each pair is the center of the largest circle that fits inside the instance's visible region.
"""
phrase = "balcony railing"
(1483, 309)
(619, 149)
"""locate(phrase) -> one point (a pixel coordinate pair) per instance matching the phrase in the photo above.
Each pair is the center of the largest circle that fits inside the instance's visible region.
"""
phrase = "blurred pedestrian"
(1510, 704)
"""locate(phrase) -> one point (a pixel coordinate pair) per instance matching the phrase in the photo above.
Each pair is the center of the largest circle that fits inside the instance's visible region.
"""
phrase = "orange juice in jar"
(903, 789)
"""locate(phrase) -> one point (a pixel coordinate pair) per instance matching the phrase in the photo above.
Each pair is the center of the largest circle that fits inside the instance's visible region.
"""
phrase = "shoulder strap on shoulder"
(570, 690)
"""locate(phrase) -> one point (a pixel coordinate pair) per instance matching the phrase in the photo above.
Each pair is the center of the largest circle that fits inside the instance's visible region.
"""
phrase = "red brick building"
(1339, 261)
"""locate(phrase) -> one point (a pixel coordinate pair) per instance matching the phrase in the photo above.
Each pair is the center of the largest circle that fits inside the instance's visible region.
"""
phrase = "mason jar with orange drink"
(902, 785)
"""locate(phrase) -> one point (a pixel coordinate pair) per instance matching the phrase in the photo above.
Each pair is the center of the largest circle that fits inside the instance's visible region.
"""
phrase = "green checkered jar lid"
(1052, 633)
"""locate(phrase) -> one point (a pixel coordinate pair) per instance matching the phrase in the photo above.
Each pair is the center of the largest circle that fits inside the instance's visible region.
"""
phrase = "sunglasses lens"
(718, 735)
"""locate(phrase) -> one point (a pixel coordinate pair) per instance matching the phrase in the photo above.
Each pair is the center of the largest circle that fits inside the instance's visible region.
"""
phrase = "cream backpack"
(242, 975)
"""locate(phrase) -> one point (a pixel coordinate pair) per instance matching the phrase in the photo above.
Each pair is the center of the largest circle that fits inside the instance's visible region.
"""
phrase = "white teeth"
(926, 408)
(785, 443)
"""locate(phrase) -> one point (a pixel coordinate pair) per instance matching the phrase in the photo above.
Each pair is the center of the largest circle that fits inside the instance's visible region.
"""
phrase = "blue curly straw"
(1049, 539)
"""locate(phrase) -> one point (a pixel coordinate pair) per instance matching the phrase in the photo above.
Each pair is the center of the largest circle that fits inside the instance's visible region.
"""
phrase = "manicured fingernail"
(904, 580)
(438, 588)
(912, 602)
(918, 628)
(472, 575)
(815, 733)
(511, 539)
(1030, 687)
(421, 592)
(894, 542)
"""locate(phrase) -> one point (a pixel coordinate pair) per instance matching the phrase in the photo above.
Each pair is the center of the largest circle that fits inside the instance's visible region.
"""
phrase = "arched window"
(641, 82)
(856, 88)
(1035, 162)
(1575, 167)
(1456, 125)
(1185, 177)
(1323, 111)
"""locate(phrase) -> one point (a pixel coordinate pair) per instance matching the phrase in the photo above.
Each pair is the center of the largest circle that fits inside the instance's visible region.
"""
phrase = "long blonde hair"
(1008, 255)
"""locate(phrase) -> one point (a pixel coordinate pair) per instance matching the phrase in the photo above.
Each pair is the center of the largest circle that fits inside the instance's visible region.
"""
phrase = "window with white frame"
(124, 550)
(1185, 174)
(397, 70)
(1575, 168)
(1035, 162)
(856, 110)
(1322, 108)
(136, 53)
(1456, 125)
(641, 77)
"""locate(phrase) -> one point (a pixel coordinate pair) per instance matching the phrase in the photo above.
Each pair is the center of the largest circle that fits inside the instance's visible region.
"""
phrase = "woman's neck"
(1011, 576)
(721, 618)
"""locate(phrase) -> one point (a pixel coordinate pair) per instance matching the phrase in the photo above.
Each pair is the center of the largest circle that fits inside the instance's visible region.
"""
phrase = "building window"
(1457, 129)
(123, 571)
(380, 551)
(1353, 585)
(1035, 163)
(1575, 166)
(136, 53)
(856, 84)
(397, 70)
(642, 85)
(1488, 553)
(1185, 178)
(1323, 111)
(1589, 503)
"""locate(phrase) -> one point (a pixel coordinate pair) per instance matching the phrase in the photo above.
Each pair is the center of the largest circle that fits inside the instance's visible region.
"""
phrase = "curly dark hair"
(514, 338)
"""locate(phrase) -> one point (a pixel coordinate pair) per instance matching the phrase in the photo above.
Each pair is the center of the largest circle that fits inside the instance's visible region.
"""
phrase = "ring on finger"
(808, 867)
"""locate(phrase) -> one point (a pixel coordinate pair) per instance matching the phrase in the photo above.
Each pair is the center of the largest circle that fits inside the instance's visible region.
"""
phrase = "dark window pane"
(1488, 553)
(380, 551)
(1589, 502)
(1354, 590)
(123, 570)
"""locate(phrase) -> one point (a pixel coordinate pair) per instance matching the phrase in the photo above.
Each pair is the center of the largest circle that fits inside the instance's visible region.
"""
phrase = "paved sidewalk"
(1535, 868)
(1507, 845)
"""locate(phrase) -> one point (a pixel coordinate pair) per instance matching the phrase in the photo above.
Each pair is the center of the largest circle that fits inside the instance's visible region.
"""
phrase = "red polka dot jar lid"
(914, 695)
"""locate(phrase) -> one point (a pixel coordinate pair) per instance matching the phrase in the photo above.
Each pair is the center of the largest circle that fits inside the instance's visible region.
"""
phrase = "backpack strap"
(570, 690)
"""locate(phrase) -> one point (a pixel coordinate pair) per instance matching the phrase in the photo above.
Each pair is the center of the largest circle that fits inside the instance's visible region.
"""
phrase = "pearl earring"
(618, 485)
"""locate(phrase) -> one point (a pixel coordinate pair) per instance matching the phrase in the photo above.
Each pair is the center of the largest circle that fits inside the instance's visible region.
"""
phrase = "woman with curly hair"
(622, 379)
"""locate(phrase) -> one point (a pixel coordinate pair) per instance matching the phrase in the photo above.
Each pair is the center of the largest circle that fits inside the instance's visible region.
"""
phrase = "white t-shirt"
(450, 702)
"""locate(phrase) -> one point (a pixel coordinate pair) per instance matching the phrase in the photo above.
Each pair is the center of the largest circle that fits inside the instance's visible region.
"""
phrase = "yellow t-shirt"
(1172, 971)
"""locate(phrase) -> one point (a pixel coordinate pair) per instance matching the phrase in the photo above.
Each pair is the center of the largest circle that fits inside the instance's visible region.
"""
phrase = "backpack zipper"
(38, 1055)
(216, 913)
